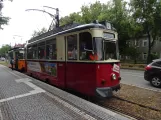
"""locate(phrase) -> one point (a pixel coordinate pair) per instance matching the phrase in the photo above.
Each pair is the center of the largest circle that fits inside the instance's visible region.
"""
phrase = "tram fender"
(104, 92)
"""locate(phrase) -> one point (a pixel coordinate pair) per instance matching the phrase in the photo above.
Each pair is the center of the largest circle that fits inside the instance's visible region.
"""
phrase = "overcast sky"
(23, 23)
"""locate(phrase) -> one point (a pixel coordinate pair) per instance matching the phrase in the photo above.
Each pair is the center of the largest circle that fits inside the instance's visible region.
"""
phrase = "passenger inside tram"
(86, 52)
(93, 56)
(74, 53)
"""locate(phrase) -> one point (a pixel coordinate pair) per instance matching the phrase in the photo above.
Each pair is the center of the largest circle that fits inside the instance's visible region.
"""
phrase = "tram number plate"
(116, 68)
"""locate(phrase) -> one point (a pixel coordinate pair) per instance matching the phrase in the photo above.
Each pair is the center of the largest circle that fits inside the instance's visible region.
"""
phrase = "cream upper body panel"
(61, 42)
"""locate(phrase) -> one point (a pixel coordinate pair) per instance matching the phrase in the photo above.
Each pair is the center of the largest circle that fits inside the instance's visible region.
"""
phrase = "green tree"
(37, 33)
(133, 53)
(87, 14)
(91, 12)
(3, 20)
(4, 49)
(121, 23)
(147, 13)
(73, 17)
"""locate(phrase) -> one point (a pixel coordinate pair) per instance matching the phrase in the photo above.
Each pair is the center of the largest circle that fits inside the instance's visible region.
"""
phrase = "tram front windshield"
(105, 49)
(110, 50)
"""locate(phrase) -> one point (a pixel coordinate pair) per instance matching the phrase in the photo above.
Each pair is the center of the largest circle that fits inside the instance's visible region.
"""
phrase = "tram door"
(71, 60)
(16, 60)
(10, 57)
(61, 65)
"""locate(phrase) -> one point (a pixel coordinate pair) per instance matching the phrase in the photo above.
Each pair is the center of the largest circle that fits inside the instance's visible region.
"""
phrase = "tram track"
(116, 108)
(144, 106)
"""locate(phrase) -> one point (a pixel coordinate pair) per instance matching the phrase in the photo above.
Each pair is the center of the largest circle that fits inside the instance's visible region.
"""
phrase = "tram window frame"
(41, 45)
(73, 49)
(52, 44)
(86, 49)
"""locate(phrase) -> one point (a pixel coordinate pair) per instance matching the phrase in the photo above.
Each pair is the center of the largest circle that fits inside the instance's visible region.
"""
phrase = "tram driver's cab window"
(85, 46)
(72, 47)
(20, 54)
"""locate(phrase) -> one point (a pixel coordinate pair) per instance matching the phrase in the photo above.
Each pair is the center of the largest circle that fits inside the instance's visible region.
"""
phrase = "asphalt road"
(136, 77)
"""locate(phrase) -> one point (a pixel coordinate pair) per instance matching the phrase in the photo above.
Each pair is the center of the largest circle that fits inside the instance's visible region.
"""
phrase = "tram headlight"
(113, 76)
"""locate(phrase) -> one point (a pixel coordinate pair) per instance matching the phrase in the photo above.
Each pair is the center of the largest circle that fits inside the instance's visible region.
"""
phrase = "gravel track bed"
(151, 99)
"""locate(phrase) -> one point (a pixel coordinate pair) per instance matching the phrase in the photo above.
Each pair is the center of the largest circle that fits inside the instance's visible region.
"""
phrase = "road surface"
(136, 77)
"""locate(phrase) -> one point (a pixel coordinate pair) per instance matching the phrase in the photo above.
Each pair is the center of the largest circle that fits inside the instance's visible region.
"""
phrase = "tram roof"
(67, 29)
(16, 48)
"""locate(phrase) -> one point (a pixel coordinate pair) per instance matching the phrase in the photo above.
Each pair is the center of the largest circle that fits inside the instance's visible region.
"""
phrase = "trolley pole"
(57, 17)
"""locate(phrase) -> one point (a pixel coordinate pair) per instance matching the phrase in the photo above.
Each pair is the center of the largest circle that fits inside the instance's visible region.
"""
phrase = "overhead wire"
(45, 17)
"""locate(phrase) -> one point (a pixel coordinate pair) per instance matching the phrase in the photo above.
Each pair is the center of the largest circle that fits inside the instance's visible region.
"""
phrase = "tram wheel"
(23, 69)
(47, 81)
(31, 74)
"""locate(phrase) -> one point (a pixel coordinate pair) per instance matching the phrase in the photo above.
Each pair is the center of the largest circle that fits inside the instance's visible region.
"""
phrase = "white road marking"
(1, 117)
(74, 109)
(26, 81)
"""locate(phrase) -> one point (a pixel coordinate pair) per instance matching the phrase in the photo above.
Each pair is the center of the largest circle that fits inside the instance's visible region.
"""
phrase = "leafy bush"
(141, 66)
(130, 65)
(154, 56)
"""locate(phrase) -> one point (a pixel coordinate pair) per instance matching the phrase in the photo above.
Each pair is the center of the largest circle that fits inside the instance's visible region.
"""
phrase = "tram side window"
(32, 52)
(29, 52)
(72, 47)
(41, 50)
(85, 46)
(51, 52)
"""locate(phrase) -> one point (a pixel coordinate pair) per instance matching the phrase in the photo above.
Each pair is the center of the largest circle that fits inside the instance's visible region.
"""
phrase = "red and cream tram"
(83, 58)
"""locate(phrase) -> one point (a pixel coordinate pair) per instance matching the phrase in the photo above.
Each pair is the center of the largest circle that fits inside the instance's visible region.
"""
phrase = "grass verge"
(3, 63)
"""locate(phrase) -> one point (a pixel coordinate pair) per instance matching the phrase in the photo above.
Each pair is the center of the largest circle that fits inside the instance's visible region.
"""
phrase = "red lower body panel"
(81, 77)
